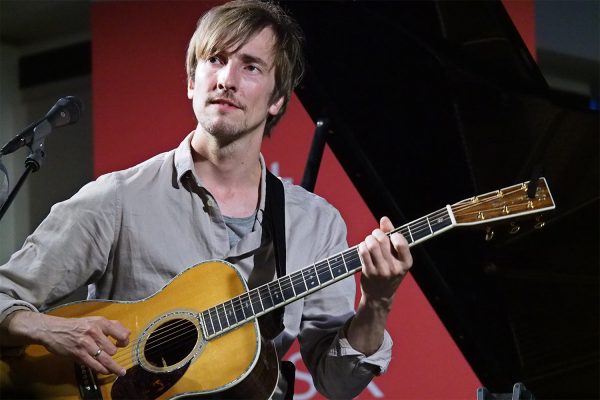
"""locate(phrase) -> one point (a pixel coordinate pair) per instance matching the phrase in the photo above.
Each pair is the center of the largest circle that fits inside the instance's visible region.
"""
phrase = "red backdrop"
(140, 108)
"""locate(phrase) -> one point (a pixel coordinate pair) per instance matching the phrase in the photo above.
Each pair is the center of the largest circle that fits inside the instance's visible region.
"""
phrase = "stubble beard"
(226, 132)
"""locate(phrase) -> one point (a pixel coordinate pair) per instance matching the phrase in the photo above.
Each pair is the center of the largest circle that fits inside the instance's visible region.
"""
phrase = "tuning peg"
(514, 228)
(489, 234)
(539, 222)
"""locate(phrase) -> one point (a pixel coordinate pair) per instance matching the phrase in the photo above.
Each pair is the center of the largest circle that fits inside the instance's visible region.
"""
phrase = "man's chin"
(222, 130)
(226, 131)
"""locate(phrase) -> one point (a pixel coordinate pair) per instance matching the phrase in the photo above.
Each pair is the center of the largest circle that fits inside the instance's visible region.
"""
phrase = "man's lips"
(225, 102)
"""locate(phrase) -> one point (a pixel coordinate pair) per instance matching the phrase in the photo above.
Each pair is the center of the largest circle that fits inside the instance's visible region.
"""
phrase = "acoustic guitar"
(209, 345)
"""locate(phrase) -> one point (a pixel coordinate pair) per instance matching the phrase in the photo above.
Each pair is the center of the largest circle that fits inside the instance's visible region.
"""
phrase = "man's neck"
(232, 173)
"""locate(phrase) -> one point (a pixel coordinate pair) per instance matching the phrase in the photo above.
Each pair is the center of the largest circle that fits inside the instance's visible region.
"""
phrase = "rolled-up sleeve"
(375, 364)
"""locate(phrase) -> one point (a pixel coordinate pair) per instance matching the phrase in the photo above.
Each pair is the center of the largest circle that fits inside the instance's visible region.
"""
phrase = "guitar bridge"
(86, 380)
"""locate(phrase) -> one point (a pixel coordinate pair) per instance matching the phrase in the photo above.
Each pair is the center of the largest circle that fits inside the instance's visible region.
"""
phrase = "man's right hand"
(85, 340)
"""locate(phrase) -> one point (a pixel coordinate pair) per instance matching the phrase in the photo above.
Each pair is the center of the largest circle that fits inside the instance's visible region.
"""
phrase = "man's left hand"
(386, 260)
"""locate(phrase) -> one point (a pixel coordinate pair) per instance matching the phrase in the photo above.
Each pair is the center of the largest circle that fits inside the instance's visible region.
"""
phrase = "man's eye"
(252, 68)
(214, 60)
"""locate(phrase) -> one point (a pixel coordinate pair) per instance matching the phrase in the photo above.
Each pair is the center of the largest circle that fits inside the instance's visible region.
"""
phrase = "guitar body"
(236, 364)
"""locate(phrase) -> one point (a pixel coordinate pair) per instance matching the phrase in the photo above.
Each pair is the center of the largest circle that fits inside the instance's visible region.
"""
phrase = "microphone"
(66, 111)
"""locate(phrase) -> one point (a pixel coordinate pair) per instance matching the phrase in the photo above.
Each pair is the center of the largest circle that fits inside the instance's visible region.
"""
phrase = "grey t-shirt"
(237, 228)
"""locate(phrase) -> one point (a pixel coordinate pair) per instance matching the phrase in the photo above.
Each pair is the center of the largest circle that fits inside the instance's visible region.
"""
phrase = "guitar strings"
(165, 346)
(163, 335)
(417, 228)
(159, 340)
(468, 203)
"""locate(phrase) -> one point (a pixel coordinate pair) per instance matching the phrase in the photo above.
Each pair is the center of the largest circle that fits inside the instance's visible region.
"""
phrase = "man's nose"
(227, 78)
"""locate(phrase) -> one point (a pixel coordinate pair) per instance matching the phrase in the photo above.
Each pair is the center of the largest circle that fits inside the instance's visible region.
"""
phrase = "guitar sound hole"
(171, 342)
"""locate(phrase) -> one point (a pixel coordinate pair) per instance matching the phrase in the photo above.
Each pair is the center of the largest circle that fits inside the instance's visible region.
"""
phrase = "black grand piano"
(441, 98)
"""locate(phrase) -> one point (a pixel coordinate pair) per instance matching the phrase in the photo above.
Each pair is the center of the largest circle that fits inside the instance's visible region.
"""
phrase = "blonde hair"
(233, 24)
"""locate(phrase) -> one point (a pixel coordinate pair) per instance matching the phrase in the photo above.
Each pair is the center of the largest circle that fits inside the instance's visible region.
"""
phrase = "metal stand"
(311, 170)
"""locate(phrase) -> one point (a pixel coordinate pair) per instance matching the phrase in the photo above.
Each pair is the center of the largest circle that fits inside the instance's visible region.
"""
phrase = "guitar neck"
(287, 289)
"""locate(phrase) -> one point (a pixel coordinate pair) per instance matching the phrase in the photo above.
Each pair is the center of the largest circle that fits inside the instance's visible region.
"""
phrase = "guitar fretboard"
(263, 299)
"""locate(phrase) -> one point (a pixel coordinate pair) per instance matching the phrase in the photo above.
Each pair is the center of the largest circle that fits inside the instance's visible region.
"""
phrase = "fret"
(238, 309)
(231, 314)
(409, 239)
(287, 287)
(247, 305)
(310, 277)
(265, 297)
(210, 330)
(329, 266)
(323, 272)
(257, 305)
(430, 228)
(314, 271)
(337, 266)
(222, 312)
(276, 294)
(298, 281)
(421, 229)
(344, 261)
(351, 259)
(214, 317)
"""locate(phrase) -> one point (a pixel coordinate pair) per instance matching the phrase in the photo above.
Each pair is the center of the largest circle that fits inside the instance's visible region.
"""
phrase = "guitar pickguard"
(145, 385)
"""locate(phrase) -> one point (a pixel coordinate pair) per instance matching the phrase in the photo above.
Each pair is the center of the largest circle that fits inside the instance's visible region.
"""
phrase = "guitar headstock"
(507, 203)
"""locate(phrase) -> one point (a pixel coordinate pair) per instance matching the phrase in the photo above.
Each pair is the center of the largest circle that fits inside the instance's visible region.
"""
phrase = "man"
(129, 232)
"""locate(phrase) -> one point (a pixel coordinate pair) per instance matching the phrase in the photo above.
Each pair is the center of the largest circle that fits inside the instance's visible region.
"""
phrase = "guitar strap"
(275, 212)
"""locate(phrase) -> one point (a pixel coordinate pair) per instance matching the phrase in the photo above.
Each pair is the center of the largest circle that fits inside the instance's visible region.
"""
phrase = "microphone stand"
(33, 162)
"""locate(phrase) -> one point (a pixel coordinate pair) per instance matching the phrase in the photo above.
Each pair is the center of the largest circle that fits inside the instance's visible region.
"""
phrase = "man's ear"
(275, 107)
(190, 89)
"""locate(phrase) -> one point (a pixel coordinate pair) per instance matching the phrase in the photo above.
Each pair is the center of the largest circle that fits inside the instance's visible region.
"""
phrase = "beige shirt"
(129, 232)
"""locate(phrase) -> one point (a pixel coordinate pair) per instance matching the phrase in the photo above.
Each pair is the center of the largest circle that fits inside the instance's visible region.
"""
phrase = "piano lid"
(435, 101)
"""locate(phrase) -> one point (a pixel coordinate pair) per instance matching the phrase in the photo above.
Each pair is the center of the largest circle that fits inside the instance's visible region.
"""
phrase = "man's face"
(232, 91)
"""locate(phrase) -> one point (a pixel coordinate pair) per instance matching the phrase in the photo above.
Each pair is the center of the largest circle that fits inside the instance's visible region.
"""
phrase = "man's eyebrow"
(250, 59)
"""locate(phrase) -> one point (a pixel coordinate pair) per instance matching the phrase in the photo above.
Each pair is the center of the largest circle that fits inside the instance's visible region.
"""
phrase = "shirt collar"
(183, 158)
(184, 166)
